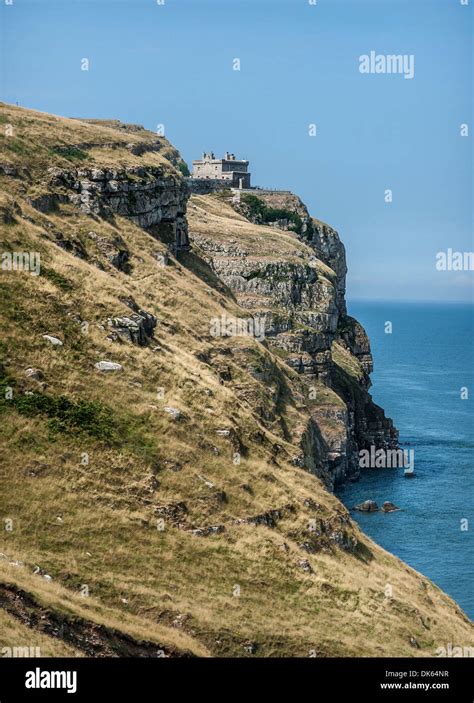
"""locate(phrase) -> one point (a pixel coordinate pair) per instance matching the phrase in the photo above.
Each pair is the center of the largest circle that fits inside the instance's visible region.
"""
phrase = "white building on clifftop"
(232, 171)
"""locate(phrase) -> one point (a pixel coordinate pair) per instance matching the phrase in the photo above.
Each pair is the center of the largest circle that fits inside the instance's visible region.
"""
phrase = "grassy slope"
(40, 140)
(96, 524)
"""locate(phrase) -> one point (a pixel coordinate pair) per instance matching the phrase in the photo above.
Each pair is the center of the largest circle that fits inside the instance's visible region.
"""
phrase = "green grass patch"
(16, 146)
(64, 415)
(183, 168)
(57, 278)
(71, 153)
(260, 213)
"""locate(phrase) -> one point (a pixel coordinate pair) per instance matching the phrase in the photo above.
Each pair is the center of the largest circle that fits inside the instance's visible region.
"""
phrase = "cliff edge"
(290, 273)
(165, 488)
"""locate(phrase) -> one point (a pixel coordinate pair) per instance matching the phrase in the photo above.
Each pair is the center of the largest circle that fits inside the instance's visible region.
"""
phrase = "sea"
(424, 379)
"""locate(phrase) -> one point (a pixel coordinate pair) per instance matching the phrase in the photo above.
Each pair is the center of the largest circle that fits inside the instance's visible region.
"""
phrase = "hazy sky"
(299, 65)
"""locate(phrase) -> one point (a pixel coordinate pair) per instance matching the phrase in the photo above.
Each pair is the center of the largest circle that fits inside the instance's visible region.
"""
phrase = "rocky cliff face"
(105, 168)
(145, 195)
(112, 171)
(300, 295)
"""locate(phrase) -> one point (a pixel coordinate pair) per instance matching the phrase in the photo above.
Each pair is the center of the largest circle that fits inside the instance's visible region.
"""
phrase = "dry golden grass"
(96, 523)
(33, 140)
(211, 214)
(343, 358)
(50, 597)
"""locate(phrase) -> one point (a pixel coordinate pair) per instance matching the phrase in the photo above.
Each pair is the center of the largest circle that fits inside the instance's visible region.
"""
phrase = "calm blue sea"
(419, 371)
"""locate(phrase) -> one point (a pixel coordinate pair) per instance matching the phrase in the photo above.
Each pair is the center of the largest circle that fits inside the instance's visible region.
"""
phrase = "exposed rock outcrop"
(108, 366)
(144, 194)
(298, 293)
(114, 250)
(137, 327)
(352, 335)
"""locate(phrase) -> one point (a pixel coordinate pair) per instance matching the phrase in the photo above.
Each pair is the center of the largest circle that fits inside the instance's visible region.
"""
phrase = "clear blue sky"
(172, 64)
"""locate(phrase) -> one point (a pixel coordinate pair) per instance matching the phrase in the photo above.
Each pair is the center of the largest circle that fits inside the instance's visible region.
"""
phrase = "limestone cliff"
(298, 288)
(299, 292)
(121, 170)
(146, 195)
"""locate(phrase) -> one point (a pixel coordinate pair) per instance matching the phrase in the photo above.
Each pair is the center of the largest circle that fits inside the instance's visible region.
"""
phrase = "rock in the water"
(108, 366)
(368, 506)
(53, 340)
(388, 507)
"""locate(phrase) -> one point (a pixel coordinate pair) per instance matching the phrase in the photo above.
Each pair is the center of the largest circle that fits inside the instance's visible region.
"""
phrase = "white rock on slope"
(107, 366)
(54, 340)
